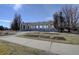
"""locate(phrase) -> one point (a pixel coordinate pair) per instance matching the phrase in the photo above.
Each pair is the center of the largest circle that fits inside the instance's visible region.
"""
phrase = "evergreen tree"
(15, 25)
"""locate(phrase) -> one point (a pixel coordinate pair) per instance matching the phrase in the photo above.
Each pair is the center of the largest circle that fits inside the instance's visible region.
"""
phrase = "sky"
(28, 12)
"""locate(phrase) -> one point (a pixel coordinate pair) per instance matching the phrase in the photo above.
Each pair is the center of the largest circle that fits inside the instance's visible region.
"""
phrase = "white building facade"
(37, 26)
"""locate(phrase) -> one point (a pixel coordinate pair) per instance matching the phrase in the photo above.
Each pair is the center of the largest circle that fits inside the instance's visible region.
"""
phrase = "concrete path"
(58, 48)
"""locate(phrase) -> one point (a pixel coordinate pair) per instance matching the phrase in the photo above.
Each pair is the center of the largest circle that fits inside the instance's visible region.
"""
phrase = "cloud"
(2, 20)
(16, 7)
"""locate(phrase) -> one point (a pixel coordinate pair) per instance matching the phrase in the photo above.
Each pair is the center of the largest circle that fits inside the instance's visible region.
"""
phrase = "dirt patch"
(59, 38)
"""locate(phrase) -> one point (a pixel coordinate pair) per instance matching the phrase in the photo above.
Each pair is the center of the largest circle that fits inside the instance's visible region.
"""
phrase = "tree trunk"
(69, 30)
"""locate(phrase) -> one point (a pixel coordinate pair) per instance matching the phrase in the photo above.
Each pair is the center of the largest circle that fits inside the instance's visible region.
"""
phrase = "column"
(22, 27)
(38, 27)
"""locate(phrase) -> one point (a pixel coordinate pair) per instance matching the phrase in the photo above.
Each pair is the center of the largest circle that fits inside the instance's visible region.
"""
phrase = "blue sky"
(29, 12)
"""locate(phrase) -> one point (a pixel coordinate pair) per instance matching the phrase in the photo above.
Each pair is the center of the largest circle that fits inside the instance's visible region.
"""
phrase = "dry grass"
(7, 48)
(54, 37)
(4, 33)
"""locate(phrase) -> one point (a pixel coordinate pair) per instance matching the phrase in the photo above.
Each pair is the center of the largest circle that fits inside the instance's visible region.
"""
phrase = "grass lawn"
(7, 48)
(53, 36)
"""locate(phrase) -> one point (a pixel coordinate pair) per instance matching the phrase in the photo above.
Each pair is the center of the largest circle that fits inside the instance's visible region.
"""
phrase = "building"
(37, 26)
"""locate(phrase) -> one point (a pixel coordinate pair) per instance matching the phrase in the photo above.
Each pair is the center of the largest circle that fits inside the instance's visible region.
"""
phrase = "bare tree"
(71, 15)
(59, 21)
(55, 23)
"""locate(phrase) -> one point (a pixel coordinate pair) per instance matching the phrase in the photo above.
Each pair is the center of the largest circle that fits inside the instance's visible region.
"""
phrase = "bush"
(1, 28)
